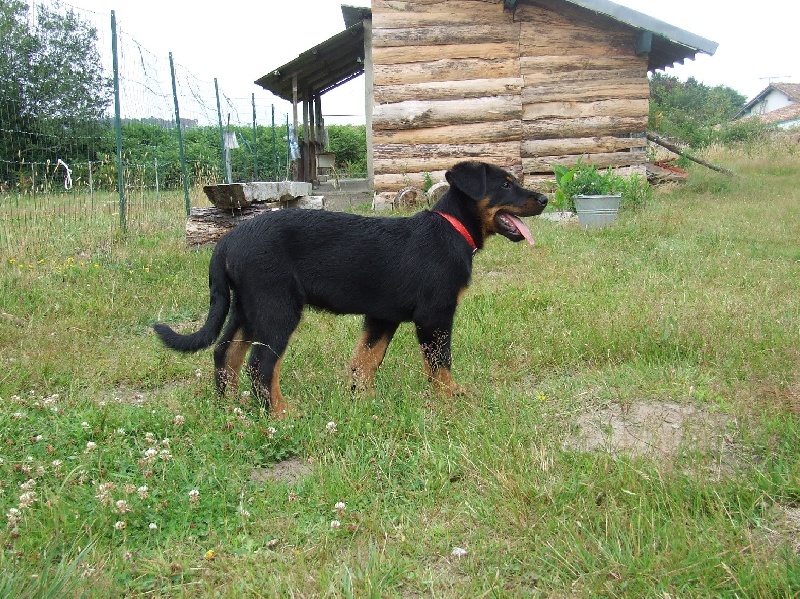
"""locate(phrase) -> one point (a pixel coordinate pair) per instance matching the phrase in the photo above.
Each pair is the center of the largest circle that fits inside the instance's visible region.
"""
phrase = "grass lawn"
(632, 426)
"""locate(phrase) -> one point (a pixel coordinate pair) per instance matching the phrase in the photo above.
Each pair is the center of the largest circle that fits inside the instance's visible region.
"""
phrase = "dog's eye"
(507, 185)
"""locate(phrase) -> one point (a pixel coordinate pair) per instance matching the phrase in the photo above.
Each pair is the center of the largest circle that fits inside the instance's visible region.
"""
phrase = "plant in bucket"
(593, 194)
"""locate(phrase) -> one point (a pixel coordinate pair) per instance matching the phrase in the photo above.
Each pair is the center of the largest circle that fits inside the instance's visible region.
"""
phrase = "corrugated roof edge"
(640, 20)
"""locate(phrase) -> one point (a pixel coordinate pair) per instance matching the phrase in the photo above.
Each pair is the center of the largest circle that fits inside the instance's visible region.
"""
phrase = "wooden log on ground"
(673, 148)
(207, 224)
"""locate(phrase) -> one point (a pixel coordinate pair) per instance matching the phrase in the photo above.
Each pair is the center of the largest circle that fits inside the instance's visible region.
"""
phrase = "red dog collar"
(458, 226)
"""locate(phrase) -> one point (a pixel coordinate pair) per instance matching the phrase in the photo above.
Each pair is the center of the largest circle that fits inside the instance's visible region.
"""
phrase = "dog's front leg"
(434, 341)
(369, 353)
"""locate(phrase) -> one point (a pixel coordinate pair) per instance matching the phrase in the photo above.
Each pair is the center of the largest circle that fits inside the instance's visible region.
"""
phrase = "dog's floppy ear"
(469, 177)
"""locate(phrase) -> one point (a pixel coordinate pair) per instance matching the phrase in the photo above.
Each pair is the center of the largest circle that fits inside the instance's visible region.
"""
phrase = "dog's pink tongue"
(523, 229)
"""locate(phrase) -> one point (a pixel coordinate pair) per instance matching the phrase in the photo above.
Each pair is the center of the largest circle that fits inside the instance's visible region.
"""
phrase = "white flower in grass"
(120, 525)
(14, 516)
(90, 446)
(194, 495)
(459, 552)
(143, 492)
(27, 499)
(85, 425)
(335, 524)
(153, 526)
(178, 420)
(271, 432)
(28, 485)
(331, 427)
(340, 507)
(122, 506)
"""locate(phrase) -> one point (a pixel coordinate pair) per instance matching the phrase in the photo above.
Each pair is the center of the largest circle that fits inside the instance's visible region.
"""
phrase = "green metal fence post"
(255, 142)
(118, 125)
(275, 167)
(180, 137)
(221, 135)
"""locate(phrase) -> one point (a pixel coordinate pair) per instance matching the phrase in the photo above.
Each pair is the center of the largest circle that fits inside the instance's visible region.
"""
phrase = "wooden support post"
(295, 171)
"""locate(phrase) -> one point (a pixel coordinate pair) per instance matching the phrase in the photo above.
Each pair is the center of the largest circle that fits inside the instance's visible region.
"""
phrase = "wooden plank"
(430, 164)
(421, 53)
(543, 164)
(395, 181)
(416, 114)
(446, 33)
(550, 65)
(587, 91)
(609, 77)
(583, 126)
(484, 132)
(533, 148)
(446, 70)
(448, 90)
(502, 152)
(392, 14)
(573, 109)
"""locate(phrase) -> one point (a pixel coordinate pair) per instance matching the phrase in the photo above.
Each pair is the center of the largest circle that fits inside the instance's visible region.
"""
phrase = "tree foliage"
(696, 113)
(53, 92)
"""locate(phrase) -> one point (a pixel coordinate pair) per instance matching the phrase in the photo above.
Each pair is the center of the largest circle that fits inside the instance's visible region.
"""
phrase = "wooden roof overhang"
(317, 71)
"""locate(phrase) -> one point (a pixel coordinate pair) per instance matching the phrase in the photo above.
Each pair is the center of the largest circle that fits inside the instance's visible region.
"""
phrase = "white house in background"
(778, 104)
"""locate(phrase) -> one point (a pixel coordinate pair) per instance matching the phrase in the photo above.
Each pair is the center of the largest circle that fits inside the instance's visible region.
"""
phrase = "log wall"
(447, 87)
(467, 79)
(584, 89)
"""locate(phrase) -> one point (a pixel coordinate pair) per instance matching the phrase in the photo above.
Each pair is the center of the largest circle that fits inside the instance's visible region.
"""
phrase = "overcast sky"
(238, 41)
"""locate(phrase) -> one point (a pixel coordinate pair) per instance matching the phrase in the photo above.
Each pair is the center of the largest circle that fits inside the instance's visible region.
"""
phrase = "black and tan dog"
(391, 270)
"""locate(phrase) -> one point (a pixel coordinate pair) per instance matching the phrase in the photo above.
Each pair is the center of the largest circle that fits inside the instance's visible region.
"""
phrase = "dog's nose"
(542, 199)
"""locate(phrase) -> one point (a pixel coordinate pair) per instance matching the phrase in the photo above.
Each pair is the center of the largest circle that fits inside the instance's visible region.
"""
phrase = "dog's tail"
(220, 291)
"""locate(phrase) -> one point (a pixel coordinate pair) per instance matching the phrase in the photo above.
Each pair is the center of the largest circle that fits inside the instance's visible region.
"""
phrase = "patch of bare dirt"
(653, 429)
(782, 528)
(290, 471)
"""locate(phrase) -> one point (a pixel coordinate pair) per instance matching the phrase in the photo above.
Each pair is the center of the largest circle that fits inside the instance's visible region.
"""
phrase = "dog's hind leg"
(369, 353)
(269, 341)
(229, 355)
(434, 341)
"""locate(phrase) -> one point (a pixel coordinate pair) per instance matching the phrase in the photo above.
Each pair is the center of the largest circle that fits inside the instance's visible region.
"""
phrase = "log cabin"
(523, 84)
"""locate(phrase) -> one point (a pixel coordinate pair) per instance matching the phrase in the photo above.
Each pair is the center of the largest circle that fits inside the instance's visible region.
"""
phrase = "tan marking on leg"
(277, 402)
(235, 354)
(442, 380)
(365, 362)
